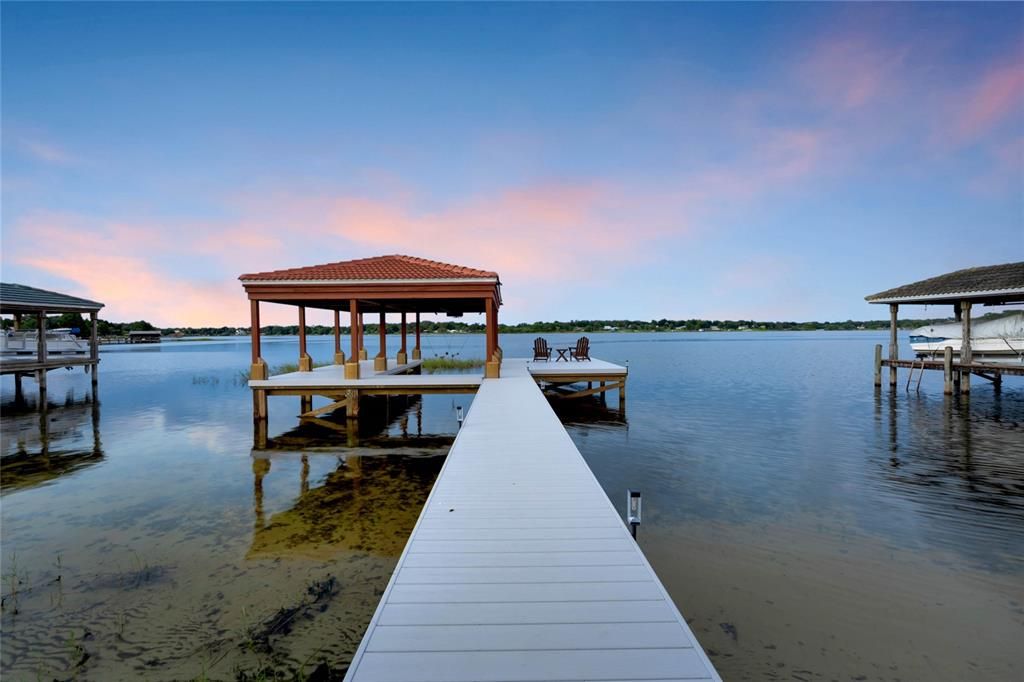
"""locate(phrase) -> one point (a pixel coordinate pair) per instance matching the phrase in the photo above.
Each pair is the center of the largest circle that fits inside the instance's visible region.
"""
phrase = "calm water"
(807, 526)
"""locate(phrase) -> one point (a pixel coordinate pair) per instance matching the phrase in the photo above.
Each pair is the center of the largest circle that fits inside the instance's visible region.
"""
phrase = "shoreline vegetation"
(105, 328)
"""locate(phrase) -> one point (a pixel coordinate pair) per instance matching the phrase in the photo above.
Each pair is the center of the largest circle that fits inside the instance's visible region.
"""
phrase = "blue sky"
(609, 161)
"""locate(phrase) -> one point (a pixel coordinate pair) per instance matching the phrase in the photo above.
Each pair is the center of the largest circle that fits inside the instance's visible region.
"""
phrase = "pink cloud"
(848, 71)
(44, 151)
(998, 95)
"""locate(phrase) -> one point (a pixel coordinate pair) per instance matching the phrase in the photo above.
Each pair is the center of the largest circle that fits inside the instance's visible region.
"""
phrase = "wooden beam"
(965, 346)
(893, 342)
(305, 362)
(380, 361)
(337, 404)
(254, 310)
(41, 356)
(417, 353)
(594, 391)
(352, 366)
(403, 355)
(339, 355)
(94, 348)
(947, 370)
(878, 364)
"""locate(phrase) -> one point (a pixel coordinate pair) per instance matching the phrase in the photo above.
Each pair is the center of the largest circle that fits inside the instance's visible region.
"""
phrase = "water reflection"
(369, 502)
(589, 411)
(945, 455)
(41, 444)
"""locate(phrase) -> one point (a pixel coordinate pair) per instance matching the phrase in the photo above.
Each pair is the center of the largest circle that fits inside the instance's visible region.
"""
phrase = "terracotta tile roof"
(376, 268)
(976, 281)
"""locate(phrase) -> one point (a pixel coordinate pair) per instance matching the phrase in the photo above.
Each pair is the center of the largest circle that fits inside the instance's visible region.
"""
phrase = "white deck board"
(520, 568)
(527, 637)
(531, 665)
(513, 613)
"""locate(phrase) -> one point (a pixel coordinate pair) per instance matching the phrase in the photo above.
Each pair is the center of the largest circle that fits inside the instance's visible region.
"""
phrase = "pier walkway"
(519, 567)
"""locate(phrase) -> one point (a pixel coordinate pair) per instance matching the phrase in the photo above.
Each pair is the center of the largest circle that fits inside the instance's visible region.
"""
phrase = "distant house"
(144, 337)
(609, 328)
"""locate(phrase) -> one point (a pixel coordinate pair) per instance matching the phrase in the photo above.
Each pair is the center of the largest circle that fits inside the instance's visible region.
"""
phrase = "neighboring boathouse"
(962, 290)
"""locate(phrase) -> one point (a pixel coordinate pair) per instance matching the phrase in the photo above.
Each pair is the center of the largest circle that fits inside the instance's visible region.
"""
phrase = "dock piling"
(893, 344)
(878, 364)
(947, 370)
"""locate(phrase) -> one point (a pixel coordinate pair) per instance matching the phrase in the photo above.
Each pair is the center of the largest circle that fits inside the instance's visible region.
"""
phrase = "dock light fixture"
(458, 414)
(634, 510)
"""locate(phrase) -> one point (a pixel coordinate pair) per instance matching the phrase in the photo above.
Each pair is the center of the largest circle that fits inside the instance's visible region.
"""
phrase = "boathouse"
(962, 290)
(20, 360)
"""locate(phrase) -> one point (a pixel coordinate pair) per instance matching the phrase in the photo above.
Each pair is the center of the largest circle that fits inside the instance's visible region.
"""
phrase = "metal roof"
(391, 268)
(988, 285)
(18, 298)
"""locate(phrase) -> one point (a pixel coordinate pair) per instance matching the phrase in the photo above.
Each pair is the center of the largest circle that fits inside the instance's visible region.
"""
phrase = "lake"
(808, 526)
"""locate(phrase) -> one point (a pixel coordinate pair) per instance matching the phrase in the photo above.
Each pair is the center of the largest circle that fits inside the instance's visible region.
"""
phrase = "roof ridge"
(388, 266)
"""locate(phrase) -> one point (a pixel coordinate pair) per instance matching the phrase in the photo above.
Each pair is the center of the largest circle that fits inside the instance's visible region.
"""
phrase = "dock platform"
(520, 568)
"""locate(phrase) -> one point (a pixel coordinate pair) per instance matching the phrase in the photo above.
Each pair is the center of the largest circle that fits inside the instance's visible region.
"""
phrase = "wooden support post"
(260, 396)
(403, 356)
(997, 382)
(305, 404)
(894, 350)
(352, 404)
(352, 366)
(965, 345)
(41, 355)
(492, 366)
(417, 354)
(259, 434)
(878, 364)
(947, 370)
(339, 355)
(17, 321)
(380, 361)
(604, 396)
(305, 362)
(622, 394)
(94, 349)
(363, 355)
(19, 396)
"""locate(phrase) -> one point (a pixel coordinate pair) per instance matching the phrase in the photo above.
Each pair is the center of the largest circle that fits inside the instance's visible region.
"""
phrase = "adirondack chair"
(541, 350)
(582, 350)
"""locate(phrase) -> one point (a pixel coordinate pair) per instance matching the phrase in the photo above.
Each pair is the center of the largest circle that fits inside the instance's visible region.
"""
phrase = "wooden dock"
(520, 568)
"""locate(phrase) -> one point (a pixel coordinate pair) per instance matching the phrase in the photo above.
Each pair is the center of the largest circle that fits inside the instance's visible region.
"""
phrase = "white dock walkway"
(520, 568)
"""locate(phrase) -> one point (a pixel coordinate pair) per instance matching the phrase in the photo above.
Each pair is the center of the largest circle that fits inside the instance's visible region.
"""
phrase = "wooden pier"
(520, 568)
(962, 290)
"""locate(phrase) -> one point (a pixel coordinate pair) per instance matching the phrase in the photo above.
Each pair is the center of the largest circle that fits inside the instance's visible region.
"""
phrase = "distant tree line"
(75, 320)
(82, 324)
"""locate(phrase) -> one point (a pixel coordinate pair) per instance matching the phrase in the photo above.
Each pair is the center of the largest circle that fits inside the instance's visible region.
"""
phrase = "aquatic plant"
(447, 362)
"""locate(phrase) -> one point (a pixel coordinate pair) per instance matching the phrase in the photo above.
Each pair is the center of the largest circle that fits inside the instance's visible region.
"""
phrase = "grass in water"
(439, 364)
(242, 377)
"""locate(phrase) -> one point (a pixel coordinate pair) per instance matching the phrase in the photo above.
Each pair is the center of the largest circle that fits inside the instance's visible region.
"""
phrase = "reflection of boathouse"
(369, 503)
(40, 446)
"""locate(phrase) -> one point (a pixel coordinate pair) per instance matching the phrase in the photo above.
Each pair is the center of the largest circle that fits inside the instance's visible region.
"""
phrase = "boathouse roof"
(393, 283)
(18, 298)
(379, 268)
(987, 285)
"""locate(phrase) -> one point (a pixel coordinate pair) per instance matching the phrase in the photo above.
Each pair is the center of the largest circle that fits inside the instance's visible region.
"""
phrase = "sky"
(609, 161)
